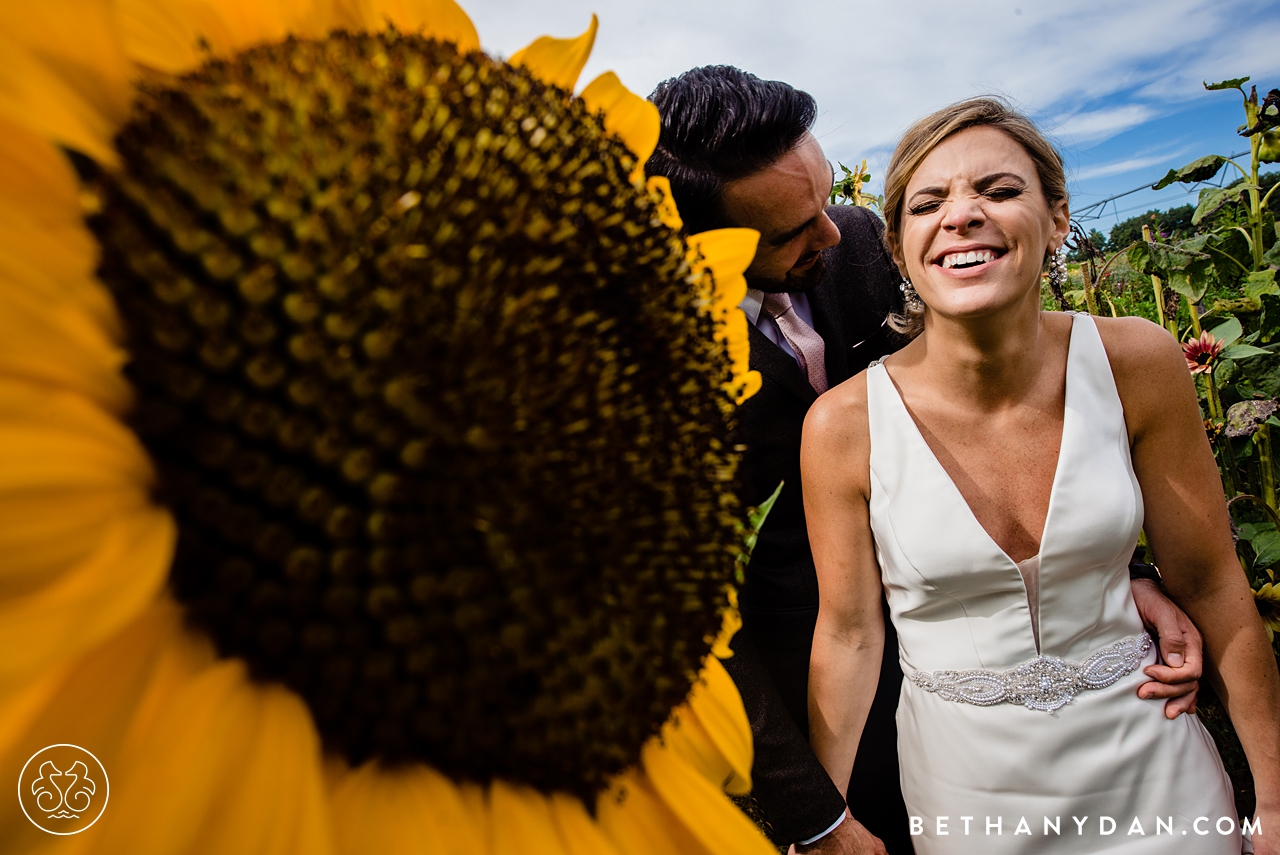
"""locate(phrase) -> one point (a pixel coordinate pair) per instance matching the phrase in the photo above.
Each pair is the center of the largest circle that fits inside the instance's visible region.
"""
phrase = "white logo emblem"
(63, 789)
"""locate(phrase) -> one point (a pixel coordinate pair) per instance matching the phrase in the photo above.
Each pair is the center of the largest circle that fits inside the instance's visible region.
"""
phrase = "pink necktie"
(804, 339)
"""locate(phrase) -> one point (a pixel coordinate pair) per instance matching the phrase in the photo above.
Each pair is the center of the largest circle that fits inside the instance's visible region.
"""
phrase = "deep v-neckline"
(1057, 469)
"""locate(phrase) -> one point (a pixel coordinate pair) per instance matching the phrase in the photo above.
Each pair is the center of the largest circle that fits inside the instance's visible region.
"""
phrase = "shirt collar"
(752, 304)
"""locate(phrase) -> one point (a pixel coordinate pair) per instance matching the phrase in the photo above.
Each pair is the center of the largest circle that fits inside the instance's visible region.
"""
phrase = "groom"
(738, 152)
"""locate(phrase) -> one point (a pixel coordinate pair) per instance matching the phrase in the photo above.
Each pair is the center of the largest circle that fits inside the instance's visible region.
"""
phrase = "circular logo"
(63, 789)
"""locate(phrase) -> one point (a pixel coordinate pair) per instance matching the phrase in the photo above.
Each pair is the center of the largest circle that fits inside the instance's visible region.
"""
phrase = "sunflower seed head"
(432, 400)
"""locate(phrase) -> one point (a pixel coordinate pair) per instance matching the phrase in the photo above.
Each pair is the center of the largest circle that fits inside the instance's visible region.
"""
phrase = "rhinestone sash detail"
(1045, 683)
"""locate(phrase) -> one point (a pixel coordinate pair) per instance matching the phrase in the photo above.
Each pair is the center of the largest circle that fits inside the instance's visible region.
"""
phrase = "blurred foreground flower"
(1267, 599)
(366, 439)
(1201, 352)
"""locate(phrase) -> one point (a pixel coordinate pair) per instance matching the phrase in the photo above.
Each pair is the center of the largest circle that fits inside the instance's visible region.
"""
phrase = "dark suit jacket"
(779, 601)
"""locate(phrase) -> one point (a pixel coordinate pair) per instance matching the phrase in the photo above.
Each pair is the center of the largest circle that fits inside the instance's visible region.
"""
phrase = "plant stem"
(1228, 466)
(1155, 286)
(1255, 202)
(1263, 443)
(1090, 298)
(1195, 318)
(1226, 454)
(1215, 403)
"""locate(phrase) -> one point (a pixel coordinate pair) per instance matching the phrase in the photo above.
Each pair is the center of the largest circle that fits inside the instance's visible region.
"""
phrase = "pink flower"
(1201, 352)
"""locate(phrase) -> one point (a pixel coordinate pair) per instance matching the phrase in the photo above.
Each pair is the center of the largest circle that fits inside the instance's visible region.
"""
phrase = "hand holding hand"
(849, 838)
(1266, 841)
(1181, 649)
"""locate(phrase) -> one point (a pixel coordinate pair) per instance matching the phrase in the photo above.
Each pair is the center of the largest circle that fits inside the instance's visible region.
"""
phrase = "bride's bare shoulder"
(1149, 368)
(837, 437)
(1139, 349)
(841, 412)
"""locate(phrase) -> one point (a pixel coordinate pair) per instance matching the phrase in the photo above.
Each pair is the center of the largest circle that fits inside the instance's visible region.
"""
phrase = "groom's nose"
(825, 234)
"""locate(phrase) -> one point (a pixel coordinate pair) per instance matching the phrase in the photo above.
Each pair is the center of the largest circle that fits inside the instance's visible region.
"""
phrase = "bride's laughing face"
(976, 225)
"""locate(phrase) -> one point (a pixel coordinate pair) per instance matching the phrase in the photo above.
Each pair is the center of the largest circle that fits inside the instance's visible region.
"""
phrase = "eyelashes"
(996, 194)
(924, 208)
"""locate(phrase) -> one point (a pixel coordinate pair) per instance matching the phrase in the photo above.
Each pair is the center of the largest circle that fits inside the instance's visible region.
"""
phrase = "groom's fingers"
(1180, 684)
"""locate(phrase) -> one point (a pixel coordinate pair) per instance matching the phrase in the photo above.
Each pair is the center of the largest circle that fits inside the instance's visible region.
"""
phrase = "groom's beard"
(795, 282)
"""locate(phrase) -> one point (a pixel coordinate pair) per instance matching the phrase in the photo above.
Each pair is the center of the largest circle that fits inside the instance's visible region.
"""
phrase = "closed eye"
(1002, 193)
(926, 207)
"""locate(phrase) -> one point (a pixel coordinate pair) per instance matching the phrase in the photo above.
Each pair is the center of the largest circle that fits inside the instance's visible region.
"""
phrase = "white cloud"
(1131, 164)
(1086, 71)
(1098, 125)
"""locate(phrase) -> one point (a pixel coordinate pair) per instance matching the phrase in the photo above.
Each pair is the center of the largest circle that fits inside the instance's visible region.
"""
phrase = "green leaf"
(1269, 149)
(1243, 351)
(1231, 256)
(1267, 546)
(1139, 256)
(1228, 332)
(1259, 283)
(1272, 256)
(1212, 199)
(1233, 83)
(1194, 281)
(1197, 170)
(757, 516)
(1269, 326)
(751, 530)
(1248, 531)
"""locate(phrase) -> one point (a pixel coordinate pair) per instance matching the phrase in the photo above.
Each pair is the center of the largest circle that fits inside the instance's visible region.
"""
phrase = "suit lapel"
(776, 364)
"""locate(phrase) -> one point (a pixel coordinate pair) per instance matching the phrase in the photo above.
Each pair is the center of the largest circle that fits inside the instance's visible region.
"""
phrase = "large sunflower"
(366, 452)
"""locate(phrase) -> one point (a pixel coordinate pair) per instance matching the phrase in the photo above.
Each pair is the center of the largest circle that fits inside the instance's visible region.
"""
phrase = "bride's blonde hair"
(926, 135)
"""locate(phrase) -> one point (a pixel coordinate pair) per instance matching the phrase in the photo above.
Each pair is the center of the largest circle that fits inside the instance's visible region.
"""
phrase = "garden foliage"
(1212, 282)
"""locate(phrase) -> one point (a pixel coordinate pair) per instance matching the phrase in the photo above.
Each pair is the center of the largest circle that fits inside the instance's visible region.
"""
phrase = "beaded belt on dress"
(1045, 683)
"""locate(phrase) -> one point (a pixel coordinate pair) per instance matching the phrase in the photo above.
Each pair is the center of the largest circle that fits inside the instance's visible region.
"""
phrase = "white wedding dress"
(1104, 760)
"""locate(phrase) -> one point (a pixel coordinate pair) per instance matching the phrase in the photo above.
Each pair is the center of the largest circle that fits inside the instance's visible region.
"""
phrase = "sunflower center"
(431, 396)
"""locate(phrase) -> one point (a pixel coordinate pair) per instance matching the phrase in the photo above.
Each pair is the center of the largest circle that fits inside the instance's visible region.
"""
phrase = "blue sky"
(1116, 85)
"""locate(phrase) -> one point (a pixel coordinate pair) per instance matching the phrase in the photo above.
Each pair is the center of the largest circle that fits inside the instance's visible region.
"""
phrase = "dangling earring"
(910, 298)
(1058, 270)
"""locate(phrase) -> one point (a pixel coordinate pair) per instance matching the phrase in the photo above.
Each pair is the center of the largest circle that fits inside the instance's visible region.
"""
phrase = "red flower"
(1201, 352)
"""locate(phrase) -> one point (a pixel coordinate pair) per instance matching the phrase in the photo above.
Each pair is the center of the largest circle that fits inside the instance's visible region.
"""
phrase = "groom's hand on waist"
(1177, 676)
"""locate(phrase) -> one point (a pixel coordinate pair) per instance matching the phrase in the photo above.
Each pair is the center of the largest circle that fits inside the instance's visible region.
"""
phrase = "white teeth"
(974, 257)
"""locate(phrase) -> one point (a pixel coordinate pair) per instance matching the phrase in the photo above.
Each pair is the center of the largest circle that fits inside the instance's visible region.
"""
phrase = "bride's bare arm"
(848, 642)
(1187, 525)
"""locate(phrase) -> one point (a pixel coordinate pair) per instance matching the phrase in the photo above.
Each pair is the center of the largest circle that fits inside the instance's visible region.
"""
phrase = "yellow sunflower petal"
(701, 805)
(558, 61)
(201, 760)
(52, 445)
(718, 707)
(57, 323)
(668, 213)
(522, 821)
(640, 822)
(43, 240)
(439, 19)
(727, 253)
(176, 36)
(626, 114)
(579, 833)
(64, 74)
(377, 811)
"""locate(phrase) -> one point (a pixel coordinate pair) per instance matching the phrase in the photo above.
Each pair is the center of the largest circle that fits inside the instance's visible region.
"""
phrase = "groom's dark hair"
(720, 123)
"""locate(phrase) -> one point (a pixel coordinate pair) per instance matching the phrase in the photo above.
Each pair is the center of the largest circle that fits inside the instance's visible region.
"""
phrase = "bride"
(992, 478)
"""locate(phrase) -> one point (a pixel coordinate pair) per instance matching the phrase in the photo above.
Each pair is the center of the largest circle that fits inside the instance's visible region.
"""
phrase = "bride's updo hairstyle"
(926, 135)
